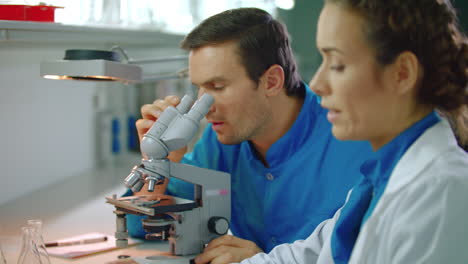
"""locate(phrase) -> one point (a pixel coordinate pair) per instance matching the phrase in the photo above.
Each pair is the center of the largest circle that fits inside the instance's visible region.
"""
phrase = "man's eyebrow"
(214, 79)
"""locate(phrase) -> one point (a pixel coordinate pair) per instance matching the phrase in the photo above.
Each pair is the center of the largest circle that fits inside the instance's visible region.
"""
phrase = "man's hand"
(227, 249)
(151, 113)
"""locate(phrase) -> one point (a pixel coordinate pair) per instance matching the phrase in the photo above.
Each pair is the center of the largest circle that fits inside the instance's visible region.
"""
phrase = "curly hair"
(429, 29)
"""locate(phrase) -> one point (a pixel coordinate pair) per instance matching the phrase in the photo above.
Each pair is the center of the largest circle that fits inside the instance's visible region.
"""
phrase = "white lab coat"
(422, 216)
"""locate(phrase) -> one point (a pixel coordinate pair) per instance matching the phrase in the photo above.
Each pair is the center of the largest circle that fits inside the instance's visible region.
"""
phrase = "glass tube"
(39, 240)
(29, 253)
(2, 256)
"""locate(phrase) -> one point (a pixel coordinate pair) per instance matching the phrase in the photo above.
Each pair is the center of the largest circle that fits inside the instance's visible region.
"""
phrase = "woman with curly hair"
(394, 73)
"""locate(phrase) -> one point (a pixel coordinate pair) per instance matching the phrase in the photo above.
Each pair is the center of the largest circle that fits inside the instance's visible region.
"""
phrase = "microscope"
(188, 224)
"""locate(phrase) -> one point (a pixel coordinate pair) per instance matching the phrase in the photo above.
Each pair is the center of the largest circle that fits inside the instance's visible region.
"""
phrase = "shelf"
(36, 32)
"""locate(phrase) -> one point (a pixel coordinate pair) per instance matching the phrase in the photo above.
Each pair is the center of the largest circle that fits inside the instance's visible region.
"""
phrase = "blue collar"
(378, 169)
(365, 195)
(280, 152)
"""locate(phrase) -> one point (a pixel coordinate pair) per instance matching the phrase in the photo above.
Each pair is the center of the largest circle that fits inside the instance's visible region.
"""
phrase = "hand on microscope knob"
(151, 113)
(227, 249)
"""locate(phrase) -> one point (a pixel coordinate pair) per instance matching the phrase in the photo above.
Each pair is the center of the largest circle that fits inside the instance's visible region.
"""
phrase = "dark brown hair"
(262, 42)
(429, 29)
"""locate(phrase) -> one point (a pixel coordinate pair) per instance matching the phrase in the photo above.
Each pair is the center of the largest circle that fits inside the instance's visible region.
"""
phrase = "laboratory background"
(54, 132)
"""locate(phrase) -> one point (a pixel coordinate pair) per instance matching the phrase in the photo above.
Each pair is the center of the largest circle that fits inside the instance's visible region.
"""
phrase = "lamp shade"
(91, 65)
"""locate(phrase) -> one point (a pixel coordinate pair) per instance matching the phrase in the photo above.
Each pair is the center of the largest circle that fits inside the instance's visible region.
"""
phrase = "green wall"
(302, 23)
(462, 11)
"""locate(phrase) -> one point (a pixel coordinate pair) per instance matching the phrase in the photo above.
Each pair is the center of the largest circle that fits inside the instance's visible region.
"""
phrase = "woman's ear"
(272, 80)
(408, 72)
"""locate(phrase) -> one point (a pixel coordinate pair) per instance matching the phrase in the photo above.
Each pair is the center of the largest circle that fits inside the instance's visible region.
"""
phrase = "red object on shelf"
(39, 13)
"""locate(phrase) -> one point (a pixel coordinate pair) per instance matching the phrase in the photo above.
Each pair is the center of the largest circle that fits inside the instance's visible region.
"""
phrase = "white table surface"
(72, 207)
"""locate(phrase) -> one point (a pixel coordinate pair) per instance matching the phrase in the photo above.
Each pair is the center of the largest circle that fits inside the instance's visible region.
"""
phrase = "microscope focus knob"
(218, 225)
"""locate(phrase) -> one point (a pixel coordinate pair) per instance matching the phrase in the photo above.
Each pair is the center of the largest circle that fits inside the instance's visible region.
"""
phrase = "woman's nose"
(318, 84)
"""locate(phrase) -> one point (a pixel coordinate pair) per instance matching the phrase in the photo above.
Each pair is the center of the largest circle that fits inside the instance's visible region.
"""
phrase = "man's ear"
(272, 80)
(407, 72)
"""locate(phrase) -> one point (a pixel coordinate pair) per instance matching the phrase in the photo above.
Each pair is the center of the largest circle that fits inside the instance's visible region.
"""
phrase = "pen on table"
(76, 242)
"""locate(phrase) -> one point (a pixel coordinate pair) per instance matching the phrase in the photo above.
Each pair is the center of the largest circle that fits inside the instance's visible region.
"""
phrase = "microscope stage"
(142, 205)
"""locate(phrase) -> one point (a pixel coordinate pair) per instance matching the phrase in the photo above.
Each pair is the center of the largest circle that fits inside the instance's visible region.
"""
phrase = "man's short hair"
(262, 42)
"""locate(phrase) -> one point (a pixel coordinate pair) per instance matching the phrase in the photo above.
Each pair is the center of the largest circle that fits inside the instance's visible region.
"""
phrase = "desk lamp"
(102, 65)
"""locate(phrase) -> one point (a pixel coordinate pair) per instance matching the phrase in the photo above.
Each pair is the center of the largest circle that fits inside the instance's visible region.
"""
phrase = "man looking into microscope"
(267, 129)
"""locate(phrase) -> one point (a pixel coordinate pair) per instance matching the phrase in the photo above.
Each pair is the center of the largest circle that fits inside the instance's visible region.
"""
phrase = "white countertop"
(73, 207)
